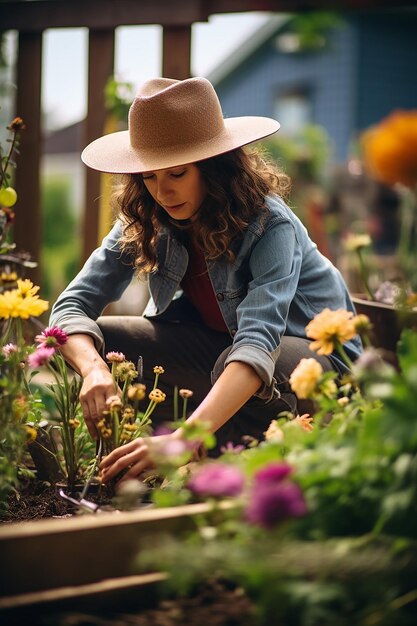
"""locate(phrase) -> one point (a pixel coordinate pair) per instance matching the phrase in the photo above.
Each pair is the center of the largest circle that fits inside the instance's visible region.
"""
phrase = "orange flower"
(304, 421)
(390, 149)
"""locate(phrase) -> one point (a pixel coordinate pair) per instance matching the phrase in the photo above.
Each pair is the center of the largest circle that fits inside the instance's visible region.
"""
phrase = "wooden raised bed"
(90, 559)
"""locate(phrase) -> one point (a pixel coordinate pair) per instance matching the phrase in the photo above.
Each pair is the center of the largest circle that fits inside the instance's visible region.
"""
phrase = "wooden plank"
(110, 594)
(86, 549)
(97, 14)
(107, 14)
(100, 68)
(294, 6)
(176, 52)
(28, 224)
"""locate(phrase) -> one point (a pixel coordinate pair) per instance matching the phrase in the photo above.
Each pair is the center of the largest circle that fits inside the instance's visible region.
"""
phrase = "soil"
(39, 500)
(215, 604)
(36, 500)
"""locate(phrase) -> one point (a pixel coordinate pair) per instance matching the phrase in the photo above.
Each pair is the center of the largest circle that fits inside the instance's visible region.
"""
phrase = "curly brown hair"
(237, 184)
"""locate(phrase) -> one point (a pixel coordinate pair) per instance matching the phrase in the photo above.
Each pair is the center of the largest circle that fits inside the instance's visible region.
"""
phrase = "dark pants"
(189, 352)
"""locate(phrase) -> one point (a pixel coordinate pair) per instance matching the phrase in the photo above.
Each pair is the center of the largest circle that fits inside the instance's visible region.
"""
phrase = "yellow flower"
(156, 395)
(31, 433)
(355, 242)
(305, 377)
(22, 302)
(74, 423)
(8, 277)
(329, 328)
(158, 369)
(26, 288)
(128, 413)
(32, 306)
(390, 149)
(136, 392)
(274, 432)
(10, 302)
(130, 427)
(125, 371)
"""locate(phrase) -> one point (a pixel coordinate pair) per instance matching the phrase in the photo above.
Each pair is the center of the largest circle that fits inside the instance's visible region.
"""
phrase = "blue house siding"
(328, 75)
(387, 72)
(364, 72)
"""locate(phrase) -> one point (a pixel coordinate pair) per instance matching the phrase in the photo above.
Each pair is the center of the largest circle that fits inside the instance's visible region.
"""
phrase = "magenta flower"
(273, 473)
(217, 480)
(41, 356)
(273, 502)
(52, 337)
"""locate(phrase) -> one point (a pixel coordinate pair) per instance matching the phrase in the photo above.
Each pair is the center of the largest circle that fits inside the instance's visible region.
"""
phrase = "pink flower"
(9, 349)
(231, 448)
(172, 448)
(52, 337)
(115, 357)
(217, 480)
(41, 356)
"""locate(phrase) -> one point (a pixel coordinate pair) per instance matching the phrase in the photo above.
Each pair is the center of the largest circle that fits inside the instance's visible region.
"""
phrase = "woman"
(233, 276)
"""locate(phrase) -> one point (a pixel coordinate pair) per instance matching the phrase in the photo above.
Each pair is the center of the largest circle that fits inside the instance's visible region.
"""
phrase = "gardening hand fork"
(83, 504)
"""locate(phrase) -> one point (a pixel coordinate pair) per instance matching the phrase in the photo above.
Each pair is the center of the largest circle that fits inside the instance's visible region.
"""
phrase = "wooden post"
(176, 52)
(100, 68)
(28, 224)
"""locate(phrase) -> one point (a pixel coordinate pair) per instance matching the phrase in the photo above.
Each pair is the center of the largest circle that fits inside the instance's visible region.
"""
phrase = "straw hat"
(173, 122)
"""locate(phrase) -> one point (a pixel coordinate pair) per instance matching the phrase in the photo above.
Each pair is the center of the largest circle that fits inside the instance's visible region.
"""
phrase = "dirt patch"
(214, 604)
(40, 500)
(35, 500)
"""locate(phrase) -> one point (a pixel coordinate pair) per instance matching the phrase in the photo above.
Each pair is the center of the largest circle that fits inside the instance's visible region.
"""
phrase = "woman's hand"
(98, 385)
(135, 457)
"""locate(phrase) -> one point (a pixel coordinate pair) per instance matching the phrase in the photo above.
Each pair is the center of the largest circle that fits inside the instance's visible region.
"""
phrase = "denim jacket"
(277, 283)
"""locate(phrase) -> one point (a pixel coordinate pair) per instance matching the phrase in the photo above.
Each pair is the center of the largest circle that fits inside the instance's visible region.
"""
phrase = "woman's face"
(178, 190)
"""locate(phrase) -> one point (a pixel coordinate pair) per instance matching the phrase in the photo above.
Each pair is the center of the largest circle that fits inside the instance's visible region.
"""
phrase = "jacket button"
(219, 297)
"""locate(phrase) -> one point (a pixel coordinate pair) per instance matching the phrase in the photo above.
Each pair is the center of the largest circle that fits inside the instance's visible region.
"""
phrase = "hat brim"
(113, 153)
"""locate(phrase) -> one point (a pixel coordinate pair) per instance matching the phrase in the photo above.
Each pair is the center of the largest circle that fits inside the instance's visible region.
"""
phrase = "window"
(293, 109)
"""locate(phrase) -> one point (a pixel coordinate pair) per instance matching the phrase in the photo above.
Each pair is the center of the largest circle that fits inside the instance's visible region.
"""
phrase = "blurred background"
(326, 76)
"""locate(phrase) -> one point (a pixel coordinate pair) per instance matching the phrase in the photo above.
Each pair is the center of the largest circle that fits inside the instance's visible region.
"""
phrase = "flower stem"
(3, 170)
(342, 352)
(364, 274)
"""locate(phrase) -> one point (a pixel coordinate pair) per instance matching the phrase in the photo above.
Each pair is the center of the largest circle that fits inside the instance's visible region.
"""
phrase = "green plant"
(60, 254)
(20, 408)
(305, 155)
(12, 263)
(320, 515)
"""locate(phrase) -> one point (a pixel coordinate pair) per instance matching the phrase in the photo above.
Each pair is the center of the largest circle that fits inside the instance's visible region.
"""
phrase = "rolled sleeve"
(262, 361)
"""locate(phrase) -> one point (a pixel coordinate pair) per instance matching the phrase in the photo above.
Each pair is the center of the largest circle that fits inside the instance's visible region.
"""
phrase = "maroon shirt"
(197, 286)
